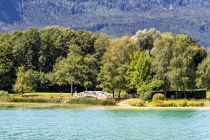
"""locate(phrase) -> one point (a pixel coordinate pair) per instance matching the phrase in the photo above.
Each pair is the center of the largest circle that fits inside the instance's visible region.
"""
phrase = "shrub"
(136, 102)
(2, 92)
(158, 97)
(169, 104)
(182, 103)
(91, 101)
(196, 103)
(147, 96)
(4, 96)
(36, 100)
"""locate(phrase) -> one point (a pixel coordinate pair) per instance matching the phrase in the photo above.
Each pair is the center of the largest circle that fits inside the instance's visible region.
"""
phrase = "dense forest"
(62, 59)
(115, 17)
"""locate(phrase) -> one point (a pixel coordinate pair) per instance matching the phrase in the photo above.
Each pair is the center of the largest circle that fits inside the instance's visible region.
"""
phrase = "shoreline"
(6, 105)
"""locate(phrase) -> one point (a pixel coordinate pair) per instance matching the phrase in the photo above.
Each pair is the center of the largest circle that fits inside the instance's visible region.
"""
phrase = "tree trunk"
(72, 94)
(185, 96)
(113, 93)
(119, 91)
(86, 89)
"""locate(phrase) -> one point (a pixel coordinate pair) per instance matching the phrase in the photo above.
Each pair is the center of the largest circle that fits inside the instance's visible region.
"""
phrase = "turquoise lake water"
(97, 124)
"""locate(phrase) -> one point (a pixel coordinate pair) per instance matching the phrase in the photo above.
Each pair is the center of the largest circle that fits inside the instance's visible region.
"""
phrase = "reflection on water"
(96, 124)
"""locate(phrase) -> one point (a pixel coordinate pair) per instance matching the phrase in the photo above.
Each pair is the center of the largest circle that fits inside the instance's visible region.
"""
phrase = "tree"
(54, 44)
(203, 73)
(139, 75)
(144, 39)
(84, 39)
(91, 71)
(7, 69)
(114, 64)
(26, 81)
(70, 70)
(26, 47)
(175, 59)
(101, 43)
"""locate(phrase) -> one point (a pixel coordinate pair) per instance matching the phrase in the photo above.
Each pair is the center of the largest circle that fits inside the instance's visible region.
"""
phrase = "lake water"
(98, 124)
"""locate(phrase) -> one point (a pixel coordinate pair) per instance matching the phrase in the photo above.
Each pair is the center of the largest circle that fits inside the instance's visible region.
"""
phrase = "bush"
(136, 102)
(36, 100)
(2, 92)
(4, 96)
(159, 97)
(91, 101)
(147, 96)
(196, 103)
(168, 104)
(182, 103)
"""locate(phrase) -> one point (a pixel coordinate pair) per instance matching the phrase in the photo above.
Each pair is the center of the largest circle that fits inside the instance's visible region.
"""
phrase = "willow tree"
(114, 64)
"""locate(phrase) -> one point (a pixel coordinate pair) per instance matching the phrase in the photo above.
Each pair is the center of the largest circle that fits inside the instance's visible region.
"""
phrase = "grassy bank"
(170, 103)
(54, 100)
(11, 105)
(49, 100)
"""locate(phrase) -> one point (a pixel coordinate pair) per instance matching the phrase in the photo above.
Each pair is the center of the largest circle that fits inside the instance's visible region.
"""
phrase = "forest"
(65, 60)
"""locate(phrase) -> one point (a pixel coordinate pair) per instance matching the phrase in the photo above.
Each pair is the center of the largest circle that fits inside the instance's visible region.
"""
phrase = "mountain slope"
(116, 17)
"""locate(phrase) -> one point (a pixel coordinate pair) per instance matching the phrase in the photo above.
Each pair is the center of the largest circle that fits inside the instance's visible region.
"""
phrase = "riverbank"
(55, 100)
(11, 105)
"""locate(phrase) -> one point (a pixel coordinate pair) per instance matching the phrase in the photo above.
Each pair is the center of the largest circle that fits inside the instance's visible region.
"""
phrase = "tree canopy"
(56, 58)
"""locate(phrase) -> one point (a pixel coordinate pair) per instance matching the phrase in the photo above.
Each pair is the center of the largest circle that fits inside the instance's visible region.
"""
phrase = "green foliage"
(166, 104)
(26, 81)
(136, 102)
(2, 92)
(91, 101)
(114, 64)
(181, 103)
(54, 58)
(144, 39)
(70, 70)
(54, 44)
(203, 74)
(4, 96)
(139, 75)
(196, 103)
(26, 47)
(6, 66)
(175, 59)
(158, 97)
(35, 100)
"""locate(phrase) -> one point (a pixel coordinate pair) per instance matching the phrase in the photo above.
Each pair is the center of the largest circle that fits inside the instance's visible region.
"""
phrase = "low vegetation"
(91, 101)
(136, 102)
(158, 98)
